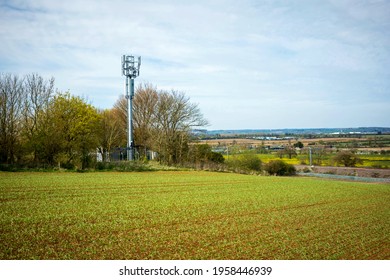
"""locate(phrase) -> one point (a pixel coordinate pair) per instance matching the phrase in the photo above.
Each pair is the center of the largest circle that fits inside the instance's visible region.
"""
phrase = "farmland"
(190, 215)
(374, 151)
(326, 160)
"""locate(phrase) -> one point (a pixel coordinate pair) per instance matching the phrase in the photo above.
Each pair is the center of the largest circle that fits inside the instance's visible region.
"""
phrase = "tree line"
(43, 126)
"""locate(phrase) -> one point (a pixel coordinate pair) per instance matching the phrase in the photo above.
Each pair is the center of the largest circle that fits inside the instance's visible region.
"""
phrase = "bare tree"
(145, 101)
(120, 113)
(11, 101)
(162, 121)
(38, 93)
(109, 132)
(175, 116)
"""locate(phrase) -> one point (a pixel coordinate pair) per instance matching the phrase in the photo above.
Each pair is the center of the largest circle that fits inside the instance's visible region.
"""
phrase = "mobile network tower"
(130, 69)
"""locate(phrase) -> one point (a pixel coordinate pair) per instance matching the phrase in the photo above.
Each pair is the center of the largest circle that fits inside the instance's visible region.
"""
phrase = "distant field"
(371, 160)
(305, 141)
(337, 141)
(267, 142)
(375, 161)
(190, 215)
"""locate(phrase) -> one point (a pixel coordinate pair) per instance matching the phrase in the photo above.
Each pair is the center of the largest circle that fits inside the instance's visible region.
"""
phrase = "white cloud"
(240, 60)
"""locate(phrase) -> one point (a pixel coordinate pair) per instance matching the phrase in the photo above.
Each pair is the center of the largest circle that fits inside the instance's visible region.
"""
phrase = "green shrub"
(104, 166)
(347, 158)
(128, 166)
(280, 168)
(216, 157)
(245, 163)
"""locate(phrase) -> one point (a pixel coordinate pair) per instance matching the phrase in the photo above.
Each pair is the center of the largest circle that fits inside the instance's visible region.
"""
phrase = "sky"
(248, 64)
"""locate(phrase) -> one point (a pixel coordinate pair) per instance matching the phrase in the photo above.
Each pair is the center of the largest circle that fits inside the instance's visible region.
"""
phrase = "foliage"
(201, 157)
(190, 215)
(76, 124)
(318, 154)
(280, 168)
(347, 158)
(38, 127)
(322, 157)
(299, 144)
(202, 153)
(41, 129)
(216, 157)
(126, 166)
(288, 150)
(247, 162)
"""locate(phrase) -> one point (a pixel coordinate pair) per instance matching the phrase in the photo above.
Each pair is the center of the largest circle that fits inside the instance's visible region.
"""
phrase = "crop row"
(190, 215)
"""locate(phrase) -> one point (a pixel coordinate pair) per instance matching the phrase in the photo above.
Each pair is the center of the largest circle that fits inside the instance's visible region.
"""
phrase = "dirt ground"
(348, 171)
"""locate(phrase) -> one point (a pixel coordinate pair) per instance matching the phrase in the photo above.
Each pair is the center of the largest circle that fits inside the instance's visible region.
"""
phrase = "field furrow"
(190, 215)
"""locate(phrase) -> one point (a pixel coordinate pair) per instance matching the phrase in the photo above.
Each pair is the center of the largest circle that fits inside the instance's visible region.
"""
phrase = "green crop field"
(190, 215)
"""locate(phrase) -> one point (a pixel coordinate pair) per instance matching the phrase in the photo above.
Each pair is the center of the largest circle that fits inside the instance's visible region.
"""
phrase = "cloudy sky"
(247, 63)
